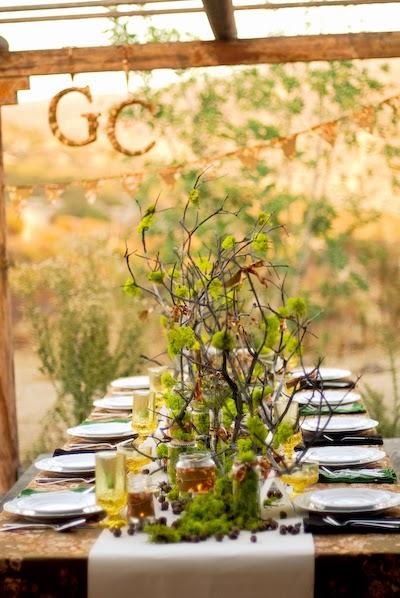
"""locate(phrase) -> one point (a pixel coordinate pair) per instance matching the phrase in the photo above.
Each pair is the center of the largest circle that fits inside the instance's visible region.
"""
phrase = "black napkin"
(60, 451)
(326, 384)
(340, 439)
(315, 525)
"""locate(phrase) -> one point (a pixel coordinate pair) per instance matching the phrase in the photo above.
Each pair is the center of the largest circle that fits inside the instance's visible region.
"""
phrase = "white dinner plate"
(343, 455)
(102, 430)
(347, 500)
(338, 423)
(67, 464)
(117, 402)
(323, 373)
(131, 383)
(326, 397)
(52, 505)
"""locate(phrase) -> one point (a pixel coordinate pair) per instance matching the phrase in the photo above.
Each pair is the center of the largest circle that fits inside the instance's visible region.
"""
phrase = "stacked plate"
(102, 430)
(53, 505)
(66, 465)
(115, 402)
(326, 398)
(347, 500)
(129, 384)
(322, 374)
(342, 423)
(343, 456)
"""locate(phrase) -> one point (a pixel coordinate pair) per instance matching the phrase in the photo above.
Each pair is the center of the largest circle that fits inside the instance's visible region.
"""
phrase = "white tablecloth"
(275, 567)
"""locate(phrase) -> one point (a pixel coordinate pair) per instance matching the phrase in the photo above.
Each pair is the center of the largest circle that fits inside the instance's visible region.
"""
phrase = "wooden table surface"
(47, 564)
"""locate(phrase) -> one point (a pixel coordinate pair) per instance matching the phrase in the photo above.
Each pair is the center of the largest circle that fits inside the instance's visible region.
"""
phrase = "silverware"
(373, 473)
(45, 481)
(82, 445)
(61, 527)
(363, 522)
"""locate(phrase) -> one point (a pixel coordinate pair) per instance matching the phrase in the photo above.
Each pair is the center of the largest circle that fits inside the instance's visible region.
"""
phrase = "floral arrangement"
(232, 334)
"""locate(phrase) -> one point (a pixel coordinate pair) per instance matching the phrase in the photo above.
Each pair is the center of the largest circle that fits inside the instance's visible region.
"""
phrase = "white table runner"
(275, 567)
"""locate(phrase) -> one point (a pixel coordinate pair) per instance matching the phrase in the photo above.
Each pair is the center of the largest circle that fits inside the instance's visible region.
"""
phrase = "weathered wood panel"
(181, 55)
(8, 419)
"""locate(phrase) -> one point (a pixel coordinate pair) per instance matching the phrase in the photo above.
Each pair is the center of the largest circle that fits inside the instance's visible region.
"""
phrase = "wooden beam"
(9, 88)
(8, 418)
(222, 19)
(180, 55)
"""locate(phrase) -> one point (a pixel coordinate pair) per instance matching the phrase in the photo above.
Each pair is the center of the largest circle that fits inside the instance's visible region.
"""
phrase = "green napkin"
(316, 410)
(358, 476)
(118, 420)
(29, 491)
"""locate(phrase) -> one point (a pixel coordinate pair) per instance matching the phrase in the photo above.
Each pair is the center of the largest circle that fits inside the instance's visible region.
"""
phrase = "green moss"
(246, 497)
(223, 340)
(162, 534)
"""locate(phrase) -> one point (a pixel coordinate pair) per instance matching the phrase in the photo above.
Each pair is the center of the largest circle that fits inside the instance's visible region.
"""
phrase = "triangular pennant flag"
(53, 192)
(249, 157)
(91, 189)
(365, 118)
(288, 146)
(19, 195)
(328, 132)
(394, 103)
(169, 176)
(131, 182)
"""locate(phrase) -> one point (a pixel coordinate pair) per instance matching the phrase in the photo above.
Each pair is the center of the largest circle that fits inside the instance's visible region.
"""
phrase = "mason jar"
(175, 449)
(195, 472)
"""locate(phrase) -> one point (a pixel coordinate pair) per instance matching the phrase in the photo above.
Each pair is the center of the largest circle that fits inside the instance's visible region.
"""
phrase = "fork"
(340, 472)
(363, 522)
(60, 527)
(44, 481)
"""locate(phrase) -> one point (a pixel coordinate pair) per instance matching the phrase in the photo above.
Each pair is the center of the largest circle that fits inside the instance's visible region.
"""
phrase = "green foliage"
(260, 243)
(131, 288)
(223, 340)
(82, 325)
(283, 432)
(228, 242)
(296, 306)
(179, 338)
(157, 276)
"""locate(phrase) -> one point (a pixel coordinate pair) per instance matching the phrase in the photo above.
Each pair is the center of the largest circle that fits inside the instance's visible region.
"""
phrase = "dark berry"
(219, 536)
(253, 538)
(162, 520)
(270, 494)
(167, 488)
(273, 525)
(283, 514)
(161, 498)
(131, 530)
(145, 471)
(296, 531)
(164, 506)
(278, 494)
(233, 535)
(290, 529)
(117, 532)
(283, 530)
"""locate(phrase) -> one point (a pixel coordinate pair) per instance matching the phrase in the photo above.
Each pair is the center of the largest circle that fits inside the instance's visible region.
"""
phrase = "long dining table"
(47, 564)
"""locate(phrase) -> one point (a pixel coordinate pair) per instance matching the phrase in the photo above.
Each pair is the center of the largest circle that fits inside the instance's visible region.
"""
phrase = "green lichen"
(223, 340)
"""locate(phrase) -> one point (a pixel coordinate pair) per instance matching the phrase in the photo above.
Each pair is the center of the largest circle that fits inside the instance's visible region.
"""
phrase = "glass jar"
(175, 449)
(140, 498)
(195, 472)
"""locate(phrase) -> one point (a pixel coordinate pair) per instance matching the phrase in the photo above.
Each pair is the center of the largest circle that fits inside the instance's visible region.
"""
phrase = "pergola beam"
(180, 55)
(222, 19)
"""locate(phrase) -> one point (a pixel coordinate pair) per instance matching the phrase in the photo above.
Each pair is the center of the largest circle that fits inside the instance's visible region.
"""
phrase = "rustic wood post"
(8, 418)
